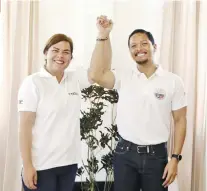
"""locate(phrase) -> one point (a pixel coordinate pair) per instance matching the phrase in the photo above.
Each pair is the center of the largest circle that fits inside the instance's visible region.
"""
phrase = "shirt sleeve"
(179, 97)
(118, 74)
(82, 76)
(28, 96)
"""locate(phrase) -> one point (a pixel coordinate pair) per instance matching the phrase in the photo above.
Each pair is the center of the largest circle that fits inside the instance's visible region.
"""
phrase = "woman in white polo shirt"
(49, 107)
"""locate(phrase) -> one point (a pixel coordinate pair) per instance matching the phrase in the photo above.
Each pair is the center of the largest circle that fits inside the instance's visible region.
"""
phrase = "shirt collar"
(159, 71)
(45, 73)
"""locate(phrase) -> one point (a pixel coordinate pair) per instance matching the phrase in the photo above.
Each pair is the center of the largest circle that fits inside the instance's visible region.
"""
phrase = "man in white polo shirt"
(49, 107)
(148, 97)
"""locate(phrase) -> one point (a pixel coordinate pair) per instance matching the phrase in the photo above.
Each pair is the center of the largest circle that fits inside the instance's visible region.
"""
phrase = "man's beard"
(142, 62)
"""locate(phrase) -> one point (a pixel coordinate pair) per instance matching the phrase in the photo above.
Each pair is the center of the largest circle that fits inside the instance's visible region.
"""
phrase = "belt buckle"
(139, 152)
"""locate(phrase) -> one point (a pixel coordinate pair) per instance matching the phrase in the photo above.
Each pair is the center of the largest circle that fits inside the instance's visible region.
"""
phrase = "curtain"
(182, 52)
(20, 47)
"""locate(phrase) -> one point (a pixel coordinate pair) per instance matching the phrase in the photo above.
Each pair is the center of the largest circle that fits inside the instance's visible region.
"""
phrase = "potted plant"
(98, 137)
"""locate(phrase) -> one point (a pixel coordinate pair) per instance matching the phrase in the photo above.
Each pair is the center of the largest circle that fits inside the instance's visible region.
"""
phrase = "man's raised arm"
(100, 68)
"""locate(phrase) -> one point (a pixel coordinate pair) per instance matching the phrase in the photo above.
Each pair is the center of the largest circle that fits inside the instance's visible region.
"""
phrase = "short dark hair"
(149, 35)
(56, 39)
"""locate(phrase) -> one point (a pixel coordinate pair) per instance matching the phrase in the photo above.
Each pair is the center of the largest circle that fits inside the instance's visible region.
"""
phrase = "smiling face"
(58, 57)
(141, 48)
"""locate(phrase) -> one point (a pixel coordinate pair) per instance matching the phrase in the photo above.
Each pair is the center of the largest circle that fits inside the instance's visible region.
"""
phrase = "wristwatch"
(178, 157)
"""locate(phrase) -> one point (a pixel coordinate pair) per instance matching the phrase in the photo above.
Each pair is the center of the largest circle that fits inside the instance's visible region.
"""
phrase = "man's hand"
(30, 177)
(104, 26)
(170, 172)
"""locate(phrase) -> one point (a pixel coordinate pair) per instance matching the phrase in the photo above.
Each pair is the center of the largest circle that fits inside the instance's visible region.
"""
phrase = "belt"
(142, 149)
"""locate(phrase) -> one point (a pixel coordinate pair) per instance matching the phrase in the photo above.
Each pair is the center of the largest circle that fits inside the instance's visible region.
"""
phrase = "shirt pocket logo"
(160, 94)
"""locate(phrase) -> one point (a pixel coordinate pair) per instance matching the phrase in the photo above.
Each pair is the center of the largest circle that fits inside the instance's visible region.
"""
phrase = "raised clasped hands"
(104, 26)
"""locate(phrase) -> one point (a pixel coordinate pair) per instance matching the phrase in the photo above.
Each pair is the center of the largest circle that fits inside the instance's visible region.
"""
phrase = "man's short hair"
(149, 35)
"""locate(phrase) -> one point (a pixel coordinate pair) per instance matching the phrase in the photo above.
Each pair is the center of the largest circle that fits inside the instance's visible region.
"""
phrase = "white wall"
(77, 18)
(61, 16)
(130, 15)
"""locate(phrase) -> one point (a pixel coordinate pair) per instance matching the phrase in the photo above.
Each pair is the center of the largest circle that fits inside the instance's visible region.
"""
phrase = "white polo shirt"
(56, 132)
(145, 104)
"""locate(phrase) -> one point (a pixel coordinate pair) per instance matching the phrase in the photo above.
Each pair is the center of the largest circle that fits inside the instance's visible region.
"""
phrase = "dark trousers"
(139, 167)
(55, 179)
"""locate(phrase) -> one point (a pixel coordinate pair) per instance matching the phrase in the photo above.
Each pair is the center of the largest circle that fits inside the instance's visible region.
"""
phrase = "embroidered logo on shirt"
(21, 101)
(73, 93)
(160, 94)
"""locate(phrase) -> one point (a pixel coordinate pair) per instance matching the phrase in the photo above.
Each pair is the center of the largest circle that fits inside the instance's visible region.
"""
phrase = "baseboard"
(99, 187)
